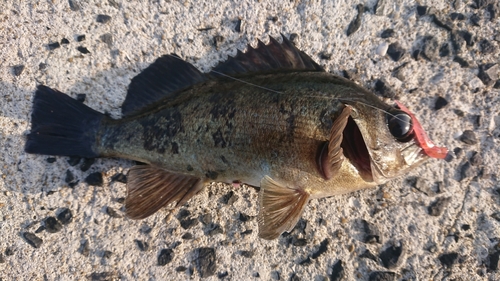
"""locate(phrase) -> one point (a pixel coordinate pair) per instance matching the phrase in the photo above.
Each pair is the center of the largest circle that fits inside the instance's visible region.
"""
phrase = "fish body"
(270, 117)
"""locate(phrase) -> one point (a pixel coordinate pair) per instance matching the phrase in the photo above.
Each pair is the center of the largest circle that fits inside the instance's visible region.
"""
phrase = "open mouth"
(355, 150)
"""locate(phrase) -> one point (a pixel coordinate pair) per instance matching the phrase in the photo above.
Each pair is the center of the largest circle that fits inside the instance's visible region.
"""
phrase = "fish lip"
(356, 150)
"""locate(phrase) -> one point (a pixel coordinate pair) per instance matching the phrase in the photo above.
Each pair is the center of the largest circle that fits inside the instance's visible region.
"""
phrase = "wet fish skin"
(270, 117)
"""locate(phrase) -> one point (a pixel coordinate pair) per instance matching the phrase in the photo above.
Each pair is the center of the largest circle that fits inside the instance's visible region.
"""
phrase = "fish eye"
(400, 125)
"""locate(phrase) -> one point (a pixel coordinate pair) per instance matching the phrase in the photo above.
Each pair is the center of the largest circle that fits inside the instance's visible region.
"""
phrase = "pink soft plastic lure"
(428, 147)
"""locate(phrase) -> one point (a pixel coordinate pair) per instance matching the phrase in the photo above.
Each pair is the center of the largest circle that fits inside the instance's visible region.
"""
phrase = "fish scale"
(270, 117)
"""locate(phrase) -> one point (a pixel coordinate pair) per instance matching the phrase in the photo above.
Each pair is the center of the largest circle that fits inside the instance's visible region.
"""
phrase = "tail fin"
(61, 125)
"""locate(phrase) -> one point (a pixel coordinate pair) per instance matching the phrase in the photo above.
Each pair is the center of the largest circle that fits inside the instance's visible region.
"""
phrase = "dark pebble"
(205, 261)
(9, 252)
(497, 84)
(87, 162)
(222, 275)
(107, 38)
(188, 223)
(32, 239)
(368, 255)
(42, 66)
(65, 216)
(206, 218)
(391, 255)
(246, 254)
(465, 227)
(2, 260)
(457, 41)
(247, 232)
(293, 38)
(81, 98)
(416, 54)
(229, 198)
(496, 216)
(437, 207)
(382, 276)
(388, 33)
(430, 48)
(80, 38)
(181, 268)
(382, 89)
(69, 176)
(461, 61)
(466, 171)
(294, 277)
(323, 247)
(119, 177)
(468, 137)
(243, 217)
(112, 213)
(306, 261)
(73, 5)
(213, 229)
(64, 41)
(142, 245)
(356, 22)
(475, 19)
(52, 225)
(479, 4)
(440, 103)
(237, 27)
(476, 159)
(468, 37)
(444, 50)
(493, 261)
(372, 234)
(422, 10)
(102, 276)
(325, 56)
(275, 275)
(448, 259)
(83, 50)
(84, 248)
(165, 257)
(145, 229)
(439, 23)
(493, 10)
(457, 16)
(395, 51)
(73, 160)
(488, 73)
(487, 47)
(103, 18)
(187, 236)
(218, 40)
(94, 179)
(53, 46)
(299, 242)
(51, 160)
(40, 229)
(18, 69)
(338, 272)
(106, 254)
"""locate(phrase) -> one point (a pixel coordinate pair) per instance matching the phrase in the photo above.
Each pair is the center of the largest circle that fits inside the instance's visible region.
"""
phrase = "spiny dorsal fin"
(280, 208)
(150, 188)
(331, 156)
(273, 57)
(167, 75)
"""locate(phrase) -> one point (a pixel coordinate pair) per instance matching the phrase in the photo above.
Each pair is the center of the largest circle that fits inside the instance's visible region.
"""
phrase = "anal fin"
(150, 188)
(331, 154)
(280, 208)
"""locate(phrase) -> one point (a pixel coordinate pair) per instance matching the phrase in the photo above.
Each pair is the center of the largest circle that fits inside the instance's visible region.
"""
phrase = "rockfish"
(270, 117)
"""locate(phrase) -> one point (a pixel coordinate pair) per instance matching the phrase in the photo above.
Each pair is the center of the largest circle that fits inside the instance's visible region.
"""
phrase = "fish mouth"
(355, 149)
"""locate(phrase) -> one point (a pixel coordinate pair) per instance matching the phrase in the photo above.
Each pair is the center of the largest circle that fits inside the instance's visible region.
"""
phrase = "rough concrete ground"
(442, 221)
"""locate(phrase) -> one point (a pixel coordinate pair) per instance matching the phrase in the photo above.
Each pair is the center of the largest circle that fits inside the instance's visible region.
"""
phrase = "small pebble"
(439, 23)
(388, 33)
(18, 69)
(468, 137)
(356, 22)
(243, 217)
(444, 50)
(94, 179)
(416, 54)
(494, 261)
(476, 159)
(466, 171)
(487, 47)
(103, 18)
(299, 242)
(463, 63)
(372, 234)
(338, 272)
(390, 256)
(382, 49)
(102, 276)
(81, 98)
(52, 225)
(213, 229)
(84, 248)
(83, 50)
(383, 7)
(142, 245)
(237, 27)
(87, 162)
(382, 276)
(187, 236)
(229, 198)
(323, 247)
(2, 260)
(367, 254)
(475, 19)
(80, 38)
(246, 254)
(437, 207)
(51, 160)
(222, 275)
(395, 51)
(65, 216)
(457, 16)
(465, 227)
(64, 41)
(73, 160)
(493, 10)
(382, 89)
(294, 37)
(69, 176)
(440, 103)
(468, 37)
(106, 254)
(32, 239)
(457, 41)
(448, 259)
(422, 10)
(497, 85)
(165, 257)
(181, 268)
(53, 46)
(73, 5)
(119, 177)
(9, 252)
(218, 40)
(42, 66)
(107, 38)
(188, 223)
(205, 261)
(112, 213)
(430, 48)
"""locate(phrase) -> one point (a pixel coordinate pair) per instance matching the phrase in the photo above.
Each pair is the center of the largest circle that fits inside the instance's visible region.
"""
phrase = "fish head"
(384, 141)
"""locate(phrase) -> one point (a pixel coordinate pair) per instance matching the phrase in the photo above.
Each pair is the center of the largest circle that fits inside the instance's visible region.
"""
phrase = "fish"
(270, 117)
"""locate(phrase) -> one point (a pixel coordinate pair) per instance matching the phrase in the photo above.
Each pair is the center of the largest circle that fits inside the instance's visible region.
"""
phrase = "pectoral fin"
(331, 155)
(150, 188)
(280, 208)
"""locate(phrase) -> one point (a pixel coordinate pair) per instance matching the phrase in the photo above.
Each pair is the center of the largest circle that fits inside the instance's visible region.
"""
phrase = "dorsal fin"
(167, 75)
(273, 57)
